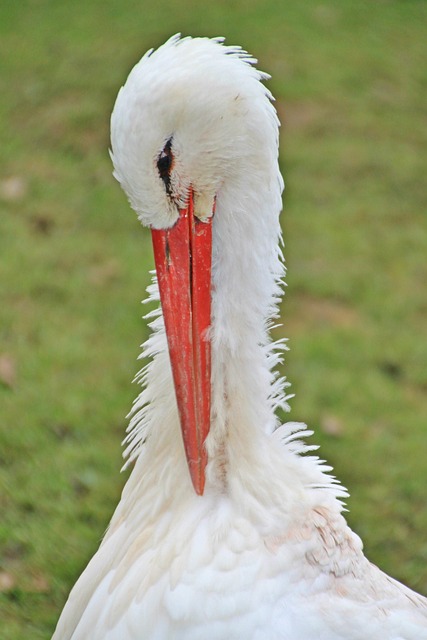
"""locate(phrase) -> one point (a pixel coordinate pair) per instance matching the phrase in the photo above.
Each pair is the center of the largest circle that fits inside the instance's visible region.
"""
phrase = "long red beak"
(183, 256)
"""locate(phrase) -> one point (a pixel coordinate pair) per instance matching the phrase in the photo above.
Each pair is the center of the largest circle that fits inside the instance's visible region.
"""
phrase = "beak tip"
(198, 476)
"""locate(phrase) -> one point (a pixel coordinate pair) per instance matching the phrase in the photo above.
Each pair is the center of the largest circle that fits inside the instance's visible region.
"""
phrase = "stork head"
(179, 131)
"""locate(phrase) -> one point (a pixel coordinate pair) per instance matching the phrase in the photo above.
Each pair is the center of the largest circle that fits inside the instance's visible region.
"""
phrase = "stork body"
(252, 544)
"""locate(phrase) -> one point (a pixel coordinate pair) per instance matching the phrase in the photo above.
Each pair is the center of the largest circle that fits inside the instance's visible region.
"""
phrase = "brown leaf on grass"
(7, 370)
(13, 188)
(7, 582)
(332, 426)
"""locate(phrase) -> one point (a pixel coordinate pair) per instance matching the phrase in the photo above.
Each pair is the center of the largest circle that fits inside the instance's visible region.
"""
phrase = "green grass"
(350, 83)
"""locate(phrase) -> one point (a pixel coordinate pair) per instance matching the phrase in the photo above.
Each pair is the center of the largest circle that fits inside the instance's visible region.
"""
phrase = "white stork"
(225, 530)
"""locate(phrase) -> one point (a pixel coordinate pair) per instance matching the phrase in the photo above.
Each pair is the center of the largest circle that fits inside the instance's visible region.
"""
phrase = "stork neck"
(246, 264)
(246, 271)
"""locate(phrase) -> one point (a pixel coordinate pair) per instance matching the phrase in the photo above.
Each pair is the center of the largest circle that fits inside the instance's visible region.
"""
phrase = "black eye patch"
(165, 165)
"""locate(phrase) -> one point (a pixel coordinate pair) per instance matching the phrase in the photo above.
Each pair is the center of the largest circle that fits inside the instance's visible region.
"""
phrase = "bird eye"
(165, 164)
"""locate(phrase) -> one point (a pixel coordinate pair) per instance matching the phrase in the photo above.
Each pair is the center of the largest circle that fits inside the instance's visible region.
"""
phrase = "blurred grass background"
(350, 81)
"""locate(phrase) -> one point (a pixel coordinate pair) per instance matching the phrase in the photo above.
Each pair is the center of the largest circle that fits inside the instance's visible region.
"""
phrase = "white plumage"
(265, 552)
